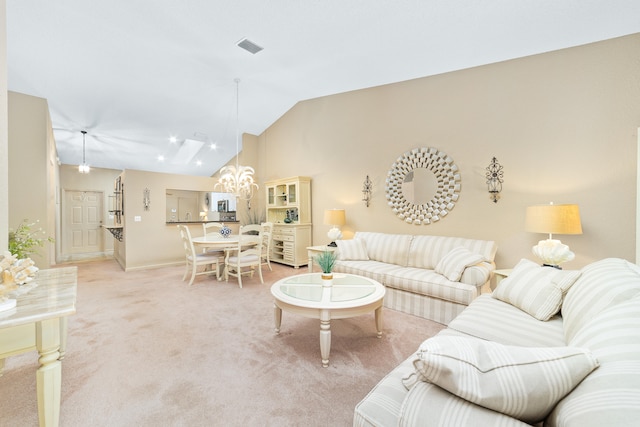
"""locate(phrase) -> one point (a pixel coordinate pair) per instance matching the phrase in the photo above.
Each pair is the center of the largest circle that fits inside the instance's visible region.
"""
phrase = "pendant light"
(237, 179)
(84, 167)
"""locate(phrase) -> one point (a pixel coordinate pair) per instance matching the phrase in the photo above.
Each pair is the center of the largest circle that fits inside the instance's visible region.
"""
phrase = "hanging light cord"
(237, 80)
(84, 132)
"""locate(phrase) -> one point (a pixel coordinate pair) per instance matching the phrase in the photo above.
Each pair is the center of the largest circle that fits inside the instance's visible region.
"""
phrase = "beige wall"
(4, 134)
(33, 170)
(151, 241)
(563, 124)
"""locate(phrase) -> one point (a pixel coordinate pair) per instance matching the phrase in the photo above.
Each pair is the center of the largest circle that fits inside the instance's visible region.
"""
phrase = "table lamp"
(335, 218)
(553, 219)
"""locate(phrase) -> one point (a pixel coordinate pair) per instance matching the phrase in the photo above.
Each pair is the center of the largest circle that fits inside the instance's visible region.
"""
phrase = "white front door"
(83, 221)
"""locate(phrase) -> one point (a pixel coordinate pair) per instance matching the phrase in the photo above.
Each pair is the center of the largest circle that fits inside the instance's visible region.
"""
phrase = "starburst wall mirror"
(422, 185)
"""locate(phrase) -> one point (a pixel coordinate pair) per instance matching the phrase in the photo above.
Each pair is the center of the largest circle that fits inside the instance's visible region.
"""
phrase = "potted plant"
(24, 241)
(326, 261)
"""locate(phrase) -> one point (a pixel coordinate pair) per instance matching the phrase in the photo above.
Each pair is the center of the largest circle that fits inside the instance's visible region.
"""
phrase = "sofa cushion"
(389, 248)
(523, 382)
(427, 251)
(452, 265)
(603, 284)
(491, 319)
(375, 270)
(428, 282)
(536, 290)
(352, 250)
(428, 405)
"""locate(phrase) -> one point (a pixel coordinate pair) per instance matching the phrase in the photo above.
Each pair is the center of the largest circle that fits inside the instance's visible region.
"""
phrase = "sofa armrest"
(477, 275)
(427, 405)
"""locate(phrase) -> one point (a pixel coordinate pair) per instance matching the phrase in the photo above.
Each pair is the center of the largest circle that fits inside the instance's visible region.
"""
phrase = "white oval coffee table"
(349, 296)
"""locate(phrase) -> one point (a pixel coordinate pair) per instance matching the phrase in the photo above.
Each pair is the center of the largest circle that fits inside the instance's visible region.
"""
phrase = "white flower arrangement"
(16, 271)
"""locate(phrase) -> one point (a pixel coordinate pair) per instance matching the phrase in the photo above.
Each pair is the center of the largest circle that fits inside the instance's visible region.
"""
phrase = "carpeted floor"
(145, 349)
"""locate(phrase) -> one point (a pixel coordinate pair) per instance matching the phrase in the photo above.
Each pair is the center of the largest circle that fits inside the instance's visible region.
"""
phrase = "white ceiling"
(134, 73)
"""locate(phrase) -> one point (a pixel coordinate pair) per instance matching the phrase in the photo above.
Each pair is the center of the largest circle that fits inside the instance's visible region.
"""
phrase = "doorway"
(82, 225)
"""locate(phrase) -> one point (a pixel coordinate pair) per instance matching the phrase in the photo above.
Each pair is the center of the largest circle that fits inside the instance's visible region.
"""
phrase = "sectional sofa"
(547, 347)
(435, 277)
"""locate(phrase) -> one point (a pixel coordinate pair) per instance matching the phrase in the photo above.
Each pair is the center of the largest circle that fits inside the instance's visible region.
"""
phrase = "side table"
(501, 274)
(312, 251)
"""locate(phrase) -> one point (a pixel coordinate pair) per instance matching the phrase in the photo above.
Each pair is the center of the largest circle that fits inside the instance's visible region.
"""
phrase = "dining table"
(214, 241)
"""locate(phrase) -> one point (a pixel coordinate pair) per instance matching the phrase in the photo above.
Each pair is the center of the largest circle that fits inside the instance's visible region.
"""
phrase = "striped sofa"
(406, 266)
(599, 315)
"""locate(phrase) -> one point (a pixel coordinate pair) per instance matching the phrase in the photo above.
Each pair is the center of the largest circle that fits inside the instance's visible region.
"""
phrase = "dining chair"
(211, 227)
(195, 260)
(246, 257)
(267, 238)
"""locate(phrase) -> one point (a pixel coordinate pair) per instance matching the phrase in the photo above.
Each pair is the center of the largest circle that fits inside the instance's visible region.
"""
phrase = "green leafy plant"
(326, 261)
(25, 241)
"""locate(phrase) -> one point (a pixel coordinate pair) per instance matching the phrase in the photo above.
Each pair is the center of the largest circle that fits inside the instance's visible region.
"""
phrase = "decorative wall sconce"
(366, 190)
(146, 198)
(495, 178)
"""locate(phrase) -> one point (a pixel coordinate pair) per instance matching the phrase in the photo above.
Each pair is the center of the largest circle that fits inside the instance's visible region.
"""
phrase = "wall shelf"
(116, 231)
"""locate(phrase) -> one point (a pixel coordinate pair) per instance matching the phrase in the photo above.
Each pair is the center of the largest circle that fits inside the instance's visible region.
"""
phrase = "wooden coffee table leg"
(277, 317)
(379, 321)
(325, 337)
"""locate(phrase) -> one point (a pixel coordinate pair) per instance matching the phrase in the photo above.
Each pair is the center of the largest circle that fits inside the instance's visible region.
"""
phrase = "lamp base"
(552, 252)
(334, 234)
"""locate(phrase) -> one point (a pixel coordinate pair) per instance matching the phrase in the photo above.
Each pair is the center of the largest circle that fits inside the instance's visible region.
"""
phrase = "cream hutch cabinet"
(289, 208)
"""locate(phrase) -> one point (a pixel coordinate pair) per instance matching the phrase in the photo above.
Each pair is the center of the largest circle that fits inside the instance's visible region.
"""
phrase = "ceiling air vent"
(249, 46)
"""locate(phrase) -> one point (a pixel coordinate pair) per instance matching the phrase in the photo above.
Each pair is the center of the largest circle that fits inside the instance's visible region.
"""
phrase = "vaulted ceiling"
(133, 74)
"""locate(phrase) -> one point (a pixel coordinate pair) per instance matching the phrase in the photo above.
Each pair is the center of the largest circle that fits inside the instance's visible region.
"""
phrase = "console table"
(39, 322)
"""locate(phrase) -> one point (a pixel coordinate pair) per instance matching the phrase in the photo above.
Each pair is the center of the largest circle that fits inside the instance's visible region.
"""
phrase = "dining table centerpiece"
(225, 231)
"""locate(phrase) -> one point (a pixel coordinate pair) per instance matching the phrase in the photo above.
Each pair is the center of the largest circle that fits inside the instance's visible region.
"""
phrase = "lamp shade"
(553, 219)
(334, 217)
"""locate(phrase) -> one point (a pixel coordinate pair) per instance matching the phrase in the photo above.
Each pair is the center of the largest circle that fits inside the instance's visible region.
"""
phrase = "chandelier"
(84, 167)
(237, 179)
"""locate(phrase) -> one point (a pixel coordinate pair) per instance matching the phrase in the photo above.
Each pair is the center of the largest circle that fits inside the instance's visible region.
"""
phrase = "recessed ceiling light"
(173, 139)
(213, 146)
(199, 162)
(161, 158)
(249, 46)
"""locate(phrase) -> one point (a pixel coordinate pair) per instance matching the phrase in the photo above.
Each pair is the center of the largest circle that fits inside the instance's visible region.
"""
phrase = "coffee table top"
(348, 290)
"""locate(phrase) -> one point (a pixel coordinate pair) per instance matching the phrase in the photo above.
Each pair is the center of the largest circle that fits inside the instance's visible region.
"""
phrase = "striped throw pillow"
(452, 265)
(536, 290)
(523, 382)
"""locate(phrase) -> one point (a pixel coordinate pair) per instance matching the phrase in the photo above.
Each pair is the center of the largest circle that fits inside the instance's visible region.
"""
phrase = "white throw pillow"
(536, 290)
(452, 265)
(352, 250)
(523, 382)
